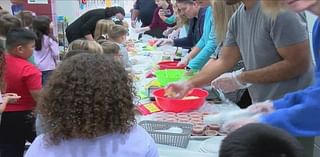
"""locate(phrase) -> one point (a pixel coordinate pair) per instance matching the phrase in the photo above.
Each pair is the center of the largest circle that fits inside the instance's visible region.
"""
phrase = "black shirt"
(146, 9)
(85, 24)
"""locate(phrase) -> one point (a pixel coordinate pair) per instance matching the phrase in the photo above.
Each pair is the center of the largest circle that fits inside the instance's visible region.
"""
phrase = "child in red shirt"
(23, 78)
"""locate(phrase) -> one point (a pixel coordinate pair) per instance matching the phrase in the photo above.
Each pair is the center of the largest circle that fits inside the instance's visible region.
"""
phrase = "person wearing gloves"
(205, 47)
(157, 25)
(269, 53)
(85, 25)
(196, 15)
(295, 112)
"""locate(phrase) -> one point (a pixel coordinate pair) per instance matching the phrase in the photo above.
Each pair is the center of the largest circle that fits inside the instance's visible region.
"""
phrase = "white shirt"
(136, 143)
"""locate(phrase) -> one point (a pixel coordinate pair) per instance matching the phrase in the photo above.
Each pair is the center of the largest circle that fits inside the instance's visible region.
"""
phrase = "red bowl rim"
(202, 90)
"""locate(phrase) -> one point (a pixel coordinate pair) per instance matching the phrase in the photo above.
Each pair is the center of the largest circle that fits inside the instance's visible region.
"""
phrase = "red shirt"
(21, 76)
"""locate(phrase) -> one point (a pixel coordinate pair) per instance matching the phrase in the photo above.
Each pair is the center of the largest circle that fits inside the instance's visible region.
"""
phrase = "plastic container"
(170, 65)
(169, 75)
(158, 132)
(180, 105)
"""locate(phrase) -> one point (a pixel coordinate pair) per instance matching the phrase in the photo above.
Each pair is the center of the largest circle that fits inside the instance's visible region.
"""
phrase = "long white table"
(142, 63)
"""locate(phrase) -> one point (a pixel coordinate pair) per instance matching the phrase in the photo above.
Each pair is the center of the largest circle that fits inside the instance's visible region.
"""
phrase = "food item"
(190, 98)
(170, 93)
(214, 127)
(198, 130)
(211, 133)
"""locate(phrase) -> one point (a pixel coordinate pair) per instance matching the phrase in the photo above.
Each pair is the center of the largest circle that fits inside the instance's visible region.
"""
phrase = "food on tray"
(195, 118)
(211, 132)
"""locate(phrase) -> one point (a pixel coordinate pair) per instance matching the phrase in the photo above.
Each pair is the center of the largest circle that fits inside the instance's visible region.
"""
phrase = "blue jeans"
(45, 76)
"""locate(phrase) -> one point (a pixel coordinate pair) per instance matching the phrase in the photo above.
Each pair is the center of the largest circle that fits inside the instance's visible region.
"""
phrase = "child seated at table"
(118, 34)
(87, 110)
(112, 49)
(102, 29)
(83, 44)
(259, 140)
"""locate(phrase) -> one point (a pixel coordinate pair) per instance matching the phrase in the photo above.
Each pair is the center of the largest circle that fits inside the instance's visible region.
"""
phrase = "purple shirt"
(46, 59)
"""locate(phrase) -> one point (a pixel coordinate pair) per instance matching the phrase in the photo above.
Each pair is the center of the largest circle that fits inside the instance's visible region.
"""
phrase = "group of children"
(86, 106)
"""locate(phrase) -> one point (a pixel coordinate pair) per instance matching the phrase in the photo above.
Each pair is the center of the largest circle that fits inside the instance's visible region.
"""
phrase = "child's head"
(26, 17)
(41, 26)
(102, 28)
(259, 140)
(118, 33)
(20, 42)
(8, 22)
(82, 44)
(112, 49)
(87, 96)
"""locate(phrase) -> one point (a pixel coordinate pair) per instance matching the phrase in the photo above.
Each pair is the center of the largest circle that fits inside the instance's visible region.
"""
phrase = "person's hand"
(174, 34)
(236, 124)
(168, 31)
(133, 23)
(184, 61)
(164, 41)
(263, 107)
(228, 82)
(178, 90)
(10, 98)
(139, 30)
(161, 13)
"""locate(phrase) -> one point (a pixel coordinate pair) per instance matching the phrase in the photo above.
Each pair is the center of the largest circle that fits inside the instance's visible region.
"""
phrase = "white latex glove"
(164, 41)
(133, 23)
(263, 107)
(10, 97)
(174, 34)
(168, 31)
(139, 30)
(228, 82)
(184, 61)
(236, 124)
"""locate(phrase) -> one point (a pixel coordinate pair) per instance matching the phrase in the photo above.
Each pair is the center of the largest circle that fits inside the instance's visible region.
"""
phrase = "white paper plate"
(211, 145)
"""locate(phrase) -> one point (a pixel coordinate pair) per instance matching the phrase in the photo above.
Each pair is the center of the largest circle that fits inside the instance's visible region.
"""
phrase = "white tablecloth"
(143, 62)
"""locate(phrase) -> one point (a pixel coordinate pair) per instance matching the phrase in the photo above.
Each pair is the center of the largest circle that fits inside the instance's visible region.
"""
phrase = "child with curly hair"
(87, 110)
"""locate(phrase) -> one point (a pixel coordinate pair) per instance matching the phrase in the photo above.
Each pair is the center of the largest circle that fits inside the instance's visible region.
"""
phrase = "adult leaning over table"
(296, 112)
(269, 53)
(84, 26)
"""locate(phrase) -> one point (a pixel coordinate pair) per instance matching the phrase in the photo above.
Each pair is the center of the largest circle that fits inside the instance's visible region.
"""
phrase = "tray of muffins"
(200, 130)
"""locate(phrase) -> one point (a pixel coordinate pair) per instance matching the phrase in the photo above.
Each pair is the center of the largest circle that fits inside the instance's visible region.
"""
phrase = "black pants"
(15, 129)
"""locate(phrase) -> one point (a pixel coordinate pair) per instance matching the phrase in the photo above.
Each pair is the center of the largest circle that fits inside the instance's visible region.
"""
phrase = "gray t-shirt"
(258, 37)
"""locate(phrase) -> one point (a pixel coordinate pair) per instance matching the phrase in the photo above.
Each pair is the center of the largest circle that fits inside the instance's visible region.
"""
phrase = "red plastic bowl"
(170, 65)
(179, 105)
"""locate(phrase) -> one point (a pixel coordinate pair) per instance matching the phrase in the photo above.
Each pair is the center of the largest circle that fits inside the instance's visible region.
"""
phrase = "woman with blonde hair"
(102, 29)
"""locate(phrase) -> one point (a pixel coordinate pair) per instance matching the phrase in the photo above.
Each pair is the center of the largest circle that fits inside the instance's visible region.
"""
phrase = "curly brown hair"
(87, 96)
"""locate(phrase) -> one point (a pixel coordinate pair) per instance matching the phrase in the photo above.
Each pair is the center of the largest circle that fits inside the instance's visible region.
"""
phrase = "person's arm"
(292, 46)
(214, 68)
(88, 26)
(32, 80)
(201, 56)
(187, 41)
(299, 119)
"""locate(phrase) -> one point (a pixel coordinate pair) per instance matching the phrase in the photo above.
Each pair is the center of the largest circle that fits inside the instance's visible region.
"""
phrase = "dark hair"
(111, 11)
(88, 95)
(41, 26)
(8, 22)
(19, 36)
(259, 140)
